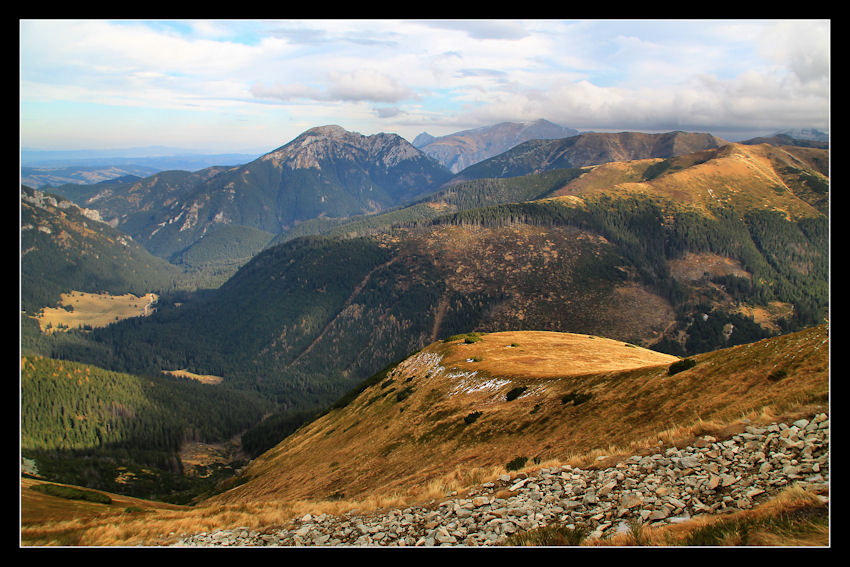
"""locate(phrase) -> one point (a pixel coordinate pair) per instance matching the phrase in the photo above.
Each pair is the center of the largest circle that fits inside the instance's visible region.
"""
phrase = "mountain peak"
(332, 130)
(805, 134)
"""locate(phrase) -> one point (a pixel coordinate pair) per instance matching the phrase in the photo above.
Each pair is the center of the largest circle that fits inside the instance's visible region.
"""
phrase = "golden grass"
(545, 354)
(378, 443)
(202, 378)
(380, 452)
(94, 309)
(735, 174)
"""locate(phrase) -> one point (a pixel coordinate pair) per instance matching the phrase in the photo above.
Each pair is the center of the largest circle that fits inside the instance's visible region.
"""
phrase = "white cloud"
(368, 85)
(803, 47)
(407, 76)
(363, 85)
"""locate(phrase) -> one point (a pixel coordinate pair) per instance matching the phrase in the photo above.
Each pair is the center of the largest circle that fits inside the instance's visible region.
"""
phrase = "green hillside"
(63, 250)
(118, 432)
(459, 196)
(306, 320)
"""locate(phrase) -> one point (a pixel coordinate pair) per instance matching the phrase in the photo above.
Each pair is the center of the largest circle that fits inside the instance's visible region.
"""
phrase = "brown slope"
(734, 175)
(588, 149)
(595, 148)
(414, 424)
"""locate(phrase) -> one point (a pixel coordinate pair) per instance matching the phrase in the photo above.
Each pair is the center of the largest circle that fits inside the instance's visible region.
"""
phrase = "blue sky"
(254, 85)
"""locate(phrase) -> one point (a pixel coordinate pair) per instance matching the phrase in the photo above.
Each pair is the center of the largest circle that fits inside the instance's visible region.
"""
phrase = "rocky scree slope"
(664, 486)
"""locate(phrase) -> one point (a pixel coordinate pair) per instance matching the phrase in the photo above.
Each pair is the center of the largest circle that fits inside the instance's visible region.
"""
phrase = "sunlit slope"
(791, 180)
(44, 515)
(480, 401)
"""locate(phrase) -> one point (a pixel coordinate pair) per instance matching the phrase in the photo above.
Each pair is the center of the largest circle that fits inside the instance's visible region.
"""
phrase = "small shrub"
(637, 531)
(515, 393)
(471, 417)
(467, 338)
(548, 536)
(377, 397)
(401, 396)
(516, 463)
(575, 398)
(681, 365)
(777, 375)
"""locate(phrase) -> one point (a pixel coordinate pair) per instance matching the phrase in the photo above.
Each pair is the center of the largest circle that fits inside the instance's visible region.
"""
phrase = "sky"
(251, 86)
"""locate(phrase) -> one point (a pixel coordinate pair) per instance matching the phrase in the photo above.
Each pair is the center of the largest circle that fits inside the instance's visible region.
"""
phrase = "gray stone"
(709, 477)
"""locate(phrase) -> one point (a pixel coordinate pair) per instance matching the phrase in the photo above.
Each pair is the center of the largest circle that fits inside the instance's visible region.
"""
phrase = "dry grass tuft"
(795, 517)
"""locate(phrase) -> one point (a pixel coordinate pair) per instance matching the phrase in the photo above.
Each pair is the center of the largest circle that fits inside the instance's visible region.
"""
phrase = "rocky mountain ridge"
(322, 142)
(587, 149)
(325, 172)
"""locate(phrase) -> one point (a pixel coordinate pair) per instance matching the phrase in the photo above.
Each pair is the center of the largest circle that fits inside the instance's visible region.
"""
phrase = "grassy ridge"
(382, 444)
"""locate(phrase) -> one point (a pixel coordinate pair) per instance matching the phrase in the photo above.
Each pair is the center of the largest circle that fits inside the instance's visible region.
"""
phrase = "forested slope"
(85, 425)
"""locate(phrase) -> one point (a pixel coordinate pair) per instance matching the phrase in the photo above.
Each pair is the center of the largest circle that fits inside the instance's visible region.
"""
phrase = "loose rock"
(670, 486)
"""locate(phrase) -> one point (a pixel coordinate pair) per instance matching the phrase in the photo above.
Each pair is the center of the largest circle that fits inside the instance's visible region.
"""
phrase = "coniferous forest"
(83, 425)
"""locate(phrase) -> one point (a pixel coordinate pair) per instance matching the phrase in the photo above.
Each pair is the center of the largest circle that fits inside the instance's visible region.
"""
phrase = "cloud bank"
(266, 81)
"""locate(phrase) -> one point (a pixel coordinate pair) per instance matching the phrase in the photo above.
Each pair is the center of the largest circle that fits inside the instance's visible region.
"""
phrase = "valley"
(348, 325)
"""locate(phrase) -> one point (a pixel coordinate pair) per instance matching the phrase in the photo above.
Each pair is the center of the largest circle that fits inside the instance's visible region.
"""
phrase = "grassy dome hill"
(469, 405)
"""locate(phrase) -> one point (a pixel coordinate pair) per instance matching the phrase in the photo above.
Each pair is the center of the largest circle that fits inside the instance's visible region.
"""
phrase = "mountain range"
(459, 150)
(325, 172)
(328, 174)
(306, 278)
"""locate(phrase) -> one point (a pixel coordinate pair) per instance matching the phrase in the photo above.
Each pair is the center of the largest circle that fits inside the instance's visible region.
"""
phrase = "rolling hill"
(408, 348)
(589, 148)
(742, 177)
(683, 255)
(457, 413)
